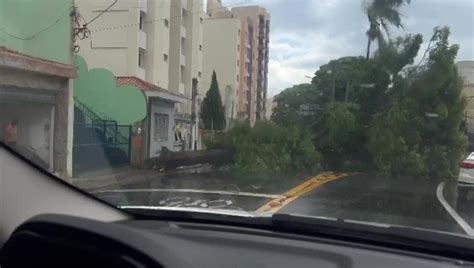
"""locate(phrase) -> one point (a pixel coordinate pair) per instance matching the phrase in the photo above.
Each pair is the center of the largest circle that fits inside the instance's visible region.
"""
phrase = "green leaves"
(381, 14)
(269, 148)
(399, 118)
(291, 109)
(212, 110)
(420, 134)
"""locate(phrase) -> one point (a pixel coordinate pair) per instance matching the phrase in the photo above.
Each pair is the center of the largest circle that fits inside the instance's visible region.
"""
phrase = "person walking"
(11, 133)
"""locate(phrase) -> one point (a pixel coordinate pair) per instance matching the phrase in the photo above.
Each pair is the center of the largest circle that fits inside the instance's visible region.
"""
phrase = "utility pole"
(194, 92)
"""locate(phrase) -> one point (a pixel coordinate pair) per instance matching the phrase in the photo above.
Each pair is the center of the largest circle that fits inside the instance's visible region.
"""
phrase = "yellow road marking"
(278, 203)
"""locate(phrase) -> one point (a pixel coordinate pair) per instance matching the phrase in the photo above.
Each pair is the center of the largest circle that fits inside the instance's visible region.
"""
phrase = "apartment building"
(186, 45)
(221, 53)
(151, 43)
(254, 56)
(122, 42)
(257, 21)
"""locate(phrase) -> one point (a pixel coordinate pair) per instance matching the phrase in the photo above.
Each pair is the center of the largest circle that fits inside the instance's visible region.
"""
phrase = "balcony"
(182, 60)
(183, 31)
(142, 39)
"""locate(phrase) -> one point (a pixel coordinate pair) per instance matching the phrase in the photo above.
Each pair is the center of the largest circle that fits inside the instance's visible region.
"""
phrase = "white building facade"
(136, 40)
(222, 54)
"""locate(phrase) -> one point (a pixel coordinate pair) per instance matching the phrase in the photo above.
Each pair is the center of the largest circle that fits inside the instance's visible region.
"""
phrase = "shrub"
(268, 148)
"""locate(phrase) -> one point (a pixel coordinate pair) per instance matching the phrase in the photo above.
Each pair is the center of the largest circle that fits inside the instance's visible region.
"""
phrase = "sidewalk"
(112, 178)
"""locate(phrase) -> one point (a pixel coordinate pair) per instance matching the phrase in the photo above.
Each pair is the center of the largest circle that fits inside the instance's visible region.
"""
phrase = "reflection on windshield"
(269, 107)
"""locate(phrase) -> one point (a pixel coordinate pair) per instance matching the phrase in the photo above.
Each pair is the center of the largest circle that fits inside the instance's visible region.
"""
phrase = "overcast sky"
(308, 33)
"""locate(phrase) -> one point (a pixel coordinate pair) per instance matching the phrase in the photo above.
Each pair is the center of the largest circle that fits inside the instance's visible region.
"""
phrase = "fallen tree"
(169, 160)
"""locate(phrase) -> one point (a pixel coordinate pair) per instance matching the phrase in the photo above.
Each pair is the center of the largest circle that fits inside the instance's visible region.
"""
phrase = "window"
(201, 20)
(161, 130)
(183, 12)
(165, 57)
(238, 63)
(182, 73)
(238, 78)
(142, 20)
(238, 32)
(141, 57)
(167, 23)
(200, 47)
(199, 74)
(238, 48)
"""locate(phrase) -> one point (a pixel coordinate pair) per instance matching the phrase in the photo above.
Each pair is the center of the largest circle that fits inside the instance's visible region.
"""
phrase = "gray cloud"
(307, 33)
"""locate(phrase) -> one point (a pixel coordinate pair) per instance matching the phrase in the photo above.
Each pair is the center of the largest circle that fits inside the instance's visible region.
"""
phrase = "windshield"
(350, 109)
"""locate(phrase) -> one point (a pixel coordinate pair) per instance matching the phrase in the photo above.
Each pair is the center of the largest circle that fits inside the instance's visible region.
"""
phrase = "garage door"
(11, 93)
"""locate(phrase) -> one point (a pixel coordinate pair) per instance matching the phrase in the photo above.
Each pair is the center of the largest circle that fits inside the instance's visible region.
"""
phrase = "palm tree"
(382, 13)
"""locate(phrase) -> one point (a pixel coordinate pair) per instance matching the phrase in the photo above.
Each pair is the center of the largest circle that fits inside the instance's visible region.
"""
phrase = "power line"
(101, 13)
(39, 32)
(161, 19)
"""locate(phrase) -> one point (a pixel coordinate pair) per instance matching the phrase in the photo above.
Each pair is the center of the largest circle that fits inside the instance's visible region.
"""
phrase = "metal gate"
(99, 143)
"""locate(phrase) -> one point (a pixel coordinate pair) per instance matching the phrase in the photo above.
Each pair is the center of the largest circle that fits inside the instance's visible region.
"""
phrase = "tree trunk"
(169, 160)
(368, 48)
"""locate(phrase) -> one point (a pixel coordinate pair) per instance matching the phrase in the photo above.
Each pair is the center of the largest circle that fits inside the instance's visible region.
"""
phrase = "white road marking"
(464, 225)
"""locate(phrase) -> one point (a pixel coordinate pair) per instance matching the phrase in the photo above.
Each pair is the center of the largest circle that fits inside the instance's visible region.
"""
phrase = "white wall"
(34, 119)
(158, 38)
(114, 49)
(190, 50)
(163, 107)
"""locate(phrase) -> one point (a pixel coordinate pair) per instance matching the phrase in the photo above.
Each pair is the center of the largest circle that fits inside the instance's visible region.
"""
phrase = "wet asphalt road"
(406, 202)
(391, 201)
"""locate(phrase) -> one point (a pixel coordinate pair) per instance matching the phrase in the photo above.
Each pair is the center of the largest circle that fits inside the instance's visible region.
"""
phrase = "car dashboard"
(58, 240)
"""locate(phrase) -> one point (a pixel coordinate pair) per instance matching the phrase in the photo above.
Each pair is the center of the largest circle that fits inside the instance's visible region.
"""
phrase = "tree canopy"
(381, 14)
(387, 114)
(420, 134)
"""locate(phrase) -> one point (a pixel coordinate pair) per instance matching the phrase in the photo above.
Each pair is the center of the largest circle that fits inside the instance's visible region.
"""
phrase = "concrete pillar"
(63, 131)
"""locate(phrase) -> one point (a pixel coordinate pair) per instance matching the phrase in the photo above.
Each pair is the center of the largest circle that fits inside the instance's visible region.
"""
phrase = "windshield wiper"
(425, 241)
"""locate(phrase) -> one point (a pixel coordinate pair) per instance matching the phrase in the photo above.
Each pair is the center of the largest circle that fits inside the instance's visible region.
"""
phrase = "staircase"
(100, 121)
(99, 142)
